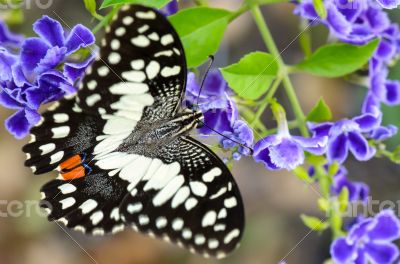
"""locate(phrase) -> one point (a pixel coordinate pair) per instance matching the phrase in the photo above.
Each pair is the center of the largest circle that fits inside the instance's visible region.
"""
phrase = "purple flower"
(8, 38)
(285, 151)
(347, 135)
(220, 111)
(358, 191)
(369, 241)
(171, 8)
(241, 133)
(389, 4)
(41, 72)
(282, 150)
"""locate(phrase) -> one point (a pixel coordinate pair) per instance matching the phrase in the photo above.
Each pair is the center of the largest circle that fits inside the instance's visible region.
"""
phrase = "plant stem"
(105, 21)
(271, 46)
(266, 101)
(201, 2)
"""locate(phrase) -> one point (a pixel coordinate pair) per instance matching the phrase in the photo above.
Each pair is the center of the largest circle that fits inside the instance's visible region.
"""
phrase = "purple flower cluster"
(38, 70)
(370, 240)
(358, 191)
(220, 112)
(358, 22)
(351, 135)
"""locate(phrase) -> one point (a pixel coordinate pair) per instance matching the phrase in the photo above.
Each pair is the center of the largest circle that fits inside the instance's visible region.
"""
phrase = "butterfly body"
(122, 149)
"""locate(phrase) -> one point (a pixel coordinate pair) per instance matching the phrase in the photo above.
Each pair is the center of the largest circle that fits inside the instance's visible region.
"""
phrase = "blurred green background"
(273, 200)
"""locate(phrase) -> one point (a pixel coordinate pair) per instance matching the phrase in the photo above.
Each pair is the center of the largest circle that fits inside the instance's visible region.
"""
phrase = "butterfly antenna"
(211, 57)
(235, 141)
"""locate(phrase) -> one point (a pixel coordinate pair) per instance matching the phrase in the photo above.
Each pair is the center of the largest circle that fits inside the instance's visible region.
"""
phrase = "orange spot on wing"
(76, 173)
(73, 167)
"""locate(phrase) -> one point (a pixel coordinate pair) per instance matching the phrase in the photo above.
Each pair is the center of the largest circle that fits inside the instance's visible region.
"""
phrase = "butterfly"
(122, 149)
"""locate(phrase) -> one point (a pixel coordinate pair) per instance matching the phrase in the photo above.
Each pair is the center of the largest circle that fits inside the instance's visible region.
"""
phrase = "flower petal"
(9, 102)
(54, 56)
(342, 252)
(33, 50)
(359, 146)
(287, 154)
(383, 133)
(386, 227)
(381, 253)
(74, 71)
(320, 129)
(389, 4)
(50, 30)
(368, 122)
(338, 149)
(79, 37)
(392, 92)
(7, 60)
(314, 145)
(18, 125)
(7, 37)
(262, 153)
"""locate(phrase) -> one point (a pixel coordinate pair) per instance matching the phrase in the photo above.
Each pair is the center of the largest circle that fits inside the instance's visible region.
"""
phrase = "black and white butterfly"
(122, 148)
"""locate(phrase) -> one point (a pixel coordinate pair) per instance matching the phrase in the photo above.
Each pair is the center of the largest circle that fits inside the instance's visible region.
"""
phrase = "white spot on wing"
(60, 132)
(91, 100)
(96, 217)
(146, 15)
(209, 176)
(140, 41)
(56, 157)
(152, 69)
(45, 149)
(231, 235)
(209, 219)
(88, 206)
(168, 71)
(67, 188)
(168, 191)
(60, 118)
(167, 39)
(67, 202)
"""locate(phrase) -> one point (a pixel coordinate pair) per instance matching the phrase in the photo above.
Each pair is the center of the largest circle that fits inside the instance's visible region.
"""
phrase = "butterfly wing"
(140, 75)
(186, 195)
(183, 192)
(142, 63)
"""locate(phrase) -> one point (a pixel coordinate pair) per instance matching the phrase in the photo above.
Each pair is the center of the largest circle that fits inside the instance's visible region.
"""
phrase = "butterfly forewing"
(142, 62)
(174, 187)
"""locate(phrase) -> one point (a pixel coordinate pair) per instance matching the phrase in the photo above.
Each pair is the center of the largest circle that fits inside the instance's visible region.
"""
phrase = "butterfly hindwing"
(187, 196)
(89, 204)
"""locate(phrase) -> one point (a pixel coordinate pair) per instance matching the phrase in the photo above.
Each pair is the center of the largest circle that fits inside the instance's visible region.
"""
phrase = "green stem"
(271, 46)
(266, 101)
(201, 2)
(105, 21)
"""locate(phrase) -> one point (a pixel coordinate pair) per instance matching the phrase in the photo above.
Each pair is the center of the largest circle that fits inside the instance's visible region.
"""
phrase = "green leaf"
(334, 168)
(201, 30)
(302, 175)
(314, 223)
(323, 204)
(317, 161)
(343, 200)
(337, 59)
(151, 3)
(320, 8)
(252, 75)
(92, 8)
(320, 112)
